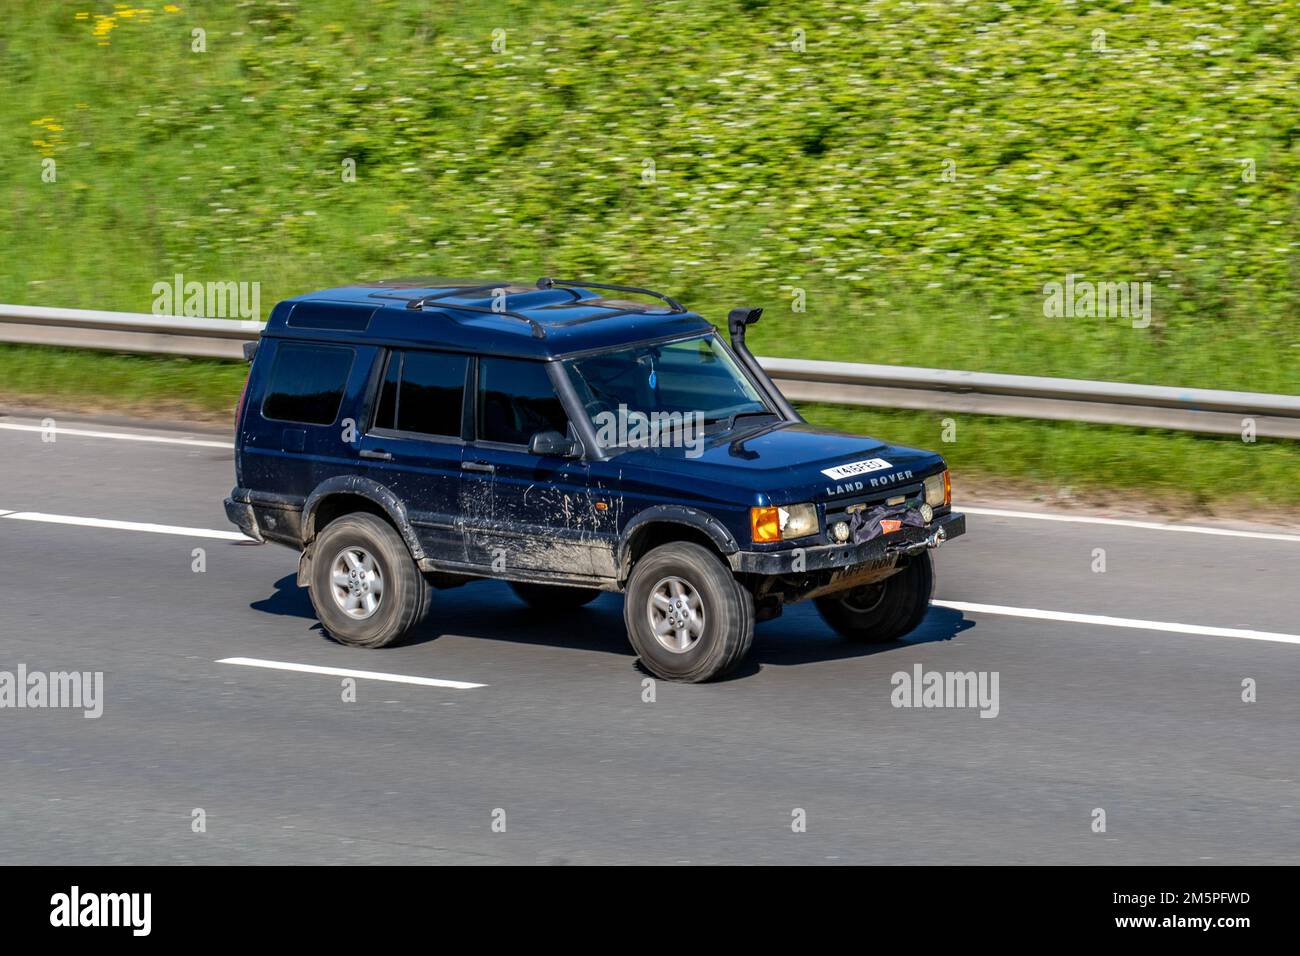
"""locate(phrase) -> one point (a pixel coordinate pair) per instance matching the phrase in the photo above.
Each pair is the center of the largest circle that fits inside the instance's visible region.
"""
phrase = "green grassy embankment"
(919, 171)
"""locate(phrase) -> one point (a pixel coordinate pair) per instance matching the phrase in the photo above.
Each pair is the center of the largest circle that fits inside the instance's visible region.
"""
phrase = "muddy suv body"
(435, 432)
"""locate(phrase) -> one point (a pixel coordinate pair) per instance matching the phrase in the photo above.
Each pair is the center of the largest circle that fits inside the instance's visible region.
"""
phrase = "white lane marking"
(1126, 523)
(348, 672)
(1129, 622)
(1067, 616)
(121, 436)
(123, 525)
(991, 512)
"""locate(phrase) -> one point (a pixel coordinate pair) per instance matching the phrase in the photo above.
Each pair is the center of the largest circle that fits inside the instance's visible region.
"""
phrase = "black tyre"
(883, 612)
(687, 617)
(553, 597)
(365, 587)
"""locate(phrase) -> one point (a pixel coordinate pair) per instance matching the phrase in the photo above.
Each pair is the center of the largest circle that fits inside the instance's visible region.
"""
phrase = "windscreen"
(691, 377)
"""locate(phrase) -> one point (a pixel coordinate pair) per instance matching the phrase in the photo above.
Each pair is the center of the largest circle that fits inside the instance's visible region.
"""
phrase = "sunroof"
(619, 305)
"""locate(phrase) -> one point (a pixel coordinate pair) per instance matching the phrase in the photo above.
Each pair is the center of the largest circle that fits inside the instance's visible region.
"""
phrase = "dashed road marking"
(348, 672)
(119, 436)
(123, 525)
(1127, 523)
(1129, 622)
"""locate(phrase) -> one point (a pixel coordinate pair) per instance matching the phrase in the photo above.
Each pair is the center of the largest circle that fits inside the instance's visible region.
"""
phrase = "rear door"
(293, 437)
(414, 443)
(522, 512)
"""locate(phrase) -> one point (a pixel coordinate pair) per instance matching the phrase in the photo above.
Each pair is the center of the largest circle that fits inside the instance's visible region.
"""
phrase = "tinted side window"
(386, 408)
(516, 401)
(422, 392)
(307, 383)
(431, 393)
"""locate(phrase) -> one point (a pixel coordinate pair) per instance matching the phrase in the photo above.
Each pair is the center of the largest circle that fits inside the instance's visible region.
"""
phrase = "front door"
(523, 512)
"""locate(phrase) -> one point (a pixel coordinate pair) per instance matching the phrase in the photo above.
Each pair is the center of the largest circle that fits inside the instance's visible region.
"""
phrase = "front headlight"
(771, 523)
(938, 490)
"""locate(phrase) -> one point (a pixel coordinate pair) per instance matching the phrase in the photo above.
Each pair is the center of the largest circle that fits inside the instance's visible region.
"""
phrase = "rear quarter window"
(307, 383)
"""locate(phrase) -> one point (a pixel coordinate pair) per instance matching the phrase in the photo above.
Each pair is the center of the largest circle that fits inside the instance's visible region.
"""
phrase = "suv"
(435, 432)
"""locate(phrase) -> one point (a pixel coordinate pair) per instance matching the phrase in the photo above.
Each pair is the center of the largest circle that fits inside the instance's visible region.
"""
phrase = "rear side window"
(422, 392)
(313, 315)
(516, 401)
(307, 383)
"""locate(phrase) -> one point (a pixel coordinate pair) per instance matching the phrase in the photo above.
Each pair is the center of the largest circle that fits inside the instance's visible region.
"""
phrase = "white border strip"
(1126, 523)
(121, 436)
(1106, 621)
(347, 672)
(124, 525)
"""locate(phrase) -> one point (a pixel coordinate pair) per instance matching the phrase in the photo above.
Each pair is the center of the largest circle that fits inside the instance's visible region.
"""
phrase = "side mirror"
(552, 443)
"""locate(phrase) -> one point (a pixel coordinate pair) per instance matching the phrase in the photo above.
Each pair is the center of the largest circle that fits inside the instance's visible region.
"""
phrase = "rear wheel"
(365, 586)
(687, 617)
(553, 597)
(885, 611)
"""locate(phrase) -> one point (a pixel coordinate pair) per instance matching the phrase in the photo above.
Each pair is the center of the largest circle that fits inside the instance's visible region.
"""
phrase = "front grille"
(841, 508)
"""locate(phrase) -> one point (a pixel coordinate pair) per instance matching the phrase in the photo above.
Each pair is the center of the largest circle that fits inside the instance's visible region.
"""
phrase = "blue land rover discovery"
(569, 438)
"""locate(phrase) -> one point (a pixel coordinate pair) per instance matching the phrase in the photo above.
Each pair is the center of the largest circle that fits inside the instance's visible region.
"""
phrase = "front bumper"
(882, 550)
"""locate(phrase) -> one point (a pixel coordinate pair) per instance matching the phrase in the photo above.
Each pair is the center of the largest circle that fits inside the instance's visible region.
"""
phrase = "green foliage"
(79, 379)
(774, 169)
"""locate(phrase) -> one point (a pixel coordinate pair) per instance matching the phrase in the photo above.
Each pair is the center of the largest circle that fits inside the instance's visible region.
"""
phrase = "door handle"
(486, 466)
(378, 453)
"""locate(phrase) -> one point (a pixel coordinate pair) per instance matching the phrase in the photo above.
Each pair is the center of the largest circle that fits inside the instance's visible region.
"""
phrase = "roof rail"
(418, 301)
(546, 282)
(538, 331)
(566, 285)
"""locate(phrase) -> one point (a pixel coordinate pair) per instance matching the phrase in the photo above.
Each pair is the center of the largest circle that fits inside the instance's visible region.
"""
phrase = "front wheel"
(687, 617)
(885, 611)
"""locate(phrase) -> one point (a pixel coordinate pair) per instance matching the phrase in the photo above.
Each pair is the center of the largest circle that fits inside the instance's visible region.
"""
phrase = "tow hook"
(932, 541)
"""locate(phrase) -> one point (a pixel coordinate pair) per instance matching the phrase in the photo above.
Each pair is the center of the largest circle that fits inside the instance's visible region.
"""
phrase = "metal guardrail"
(1203, 410)
(1208, 411)
(126, 331)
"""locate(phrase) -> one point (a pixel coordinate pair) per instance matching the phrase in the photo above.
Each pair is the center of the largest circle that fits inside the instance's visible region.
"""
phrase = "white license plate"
(855, 468)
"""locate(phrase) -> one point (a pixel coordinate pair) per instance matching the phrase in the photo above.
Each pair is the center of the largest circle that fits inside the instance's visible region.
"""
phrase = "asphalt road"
(1147, 725)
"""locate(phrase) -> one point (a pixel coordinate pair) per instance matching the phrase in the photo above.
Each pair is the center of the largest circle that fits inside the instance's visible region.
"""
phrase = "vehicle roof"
(457, 314)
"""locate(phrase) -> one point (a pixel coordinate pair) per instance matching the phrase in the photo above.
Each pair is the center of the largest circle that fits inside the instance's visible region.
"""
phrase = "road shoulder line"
(1105, 620)
(349, 672)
